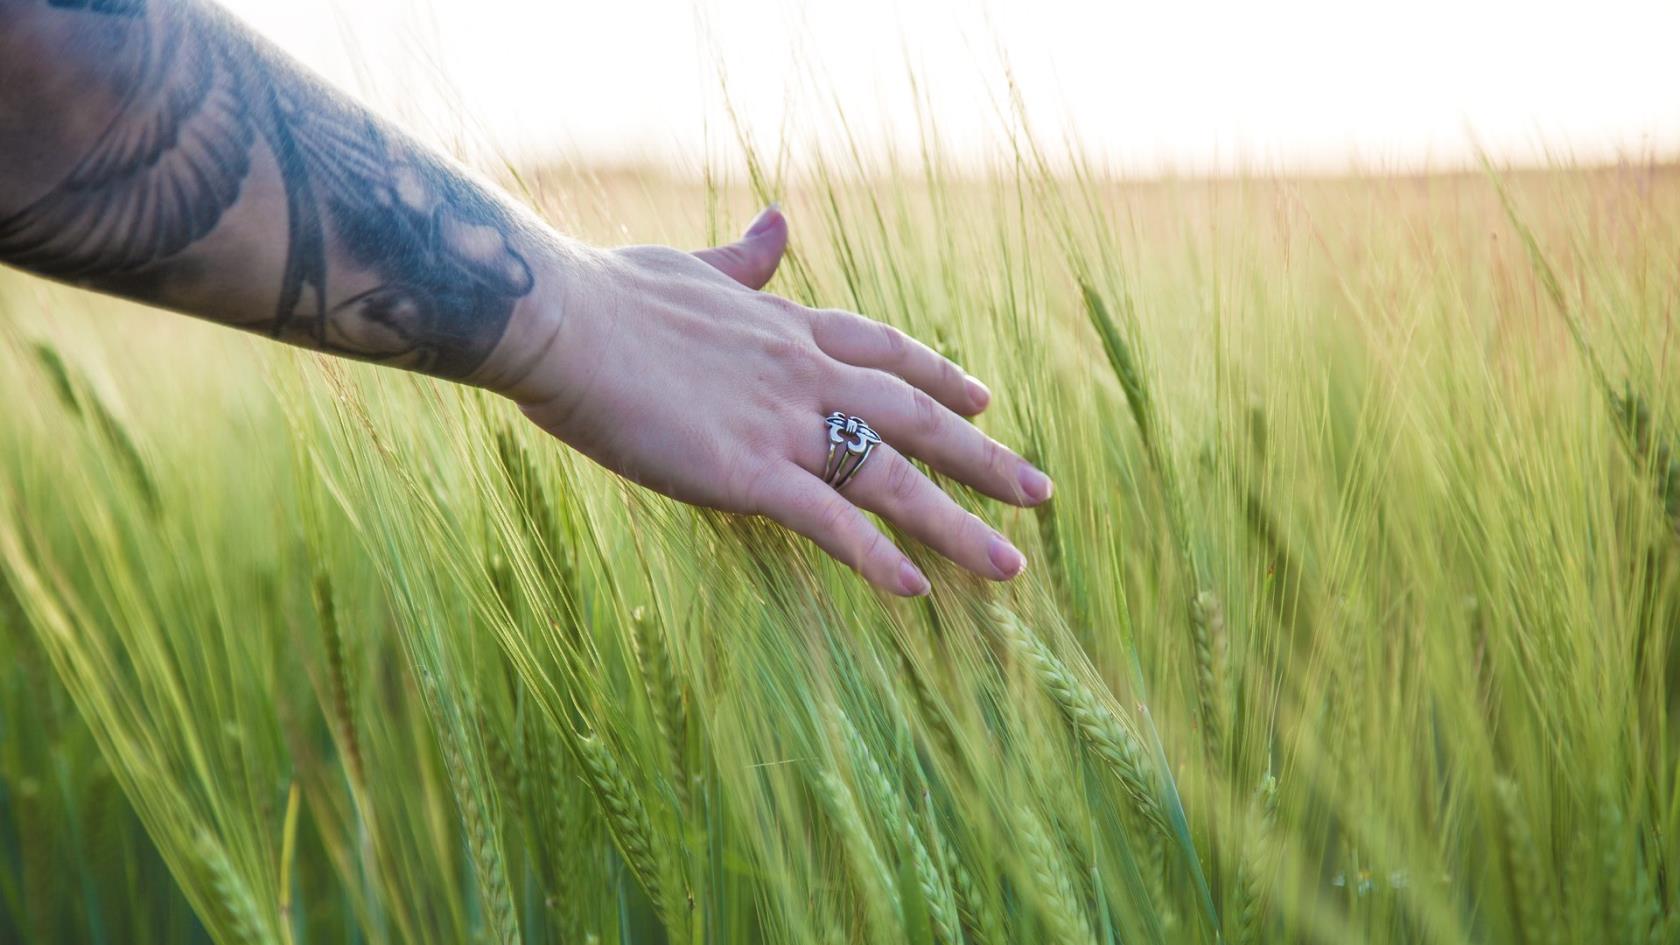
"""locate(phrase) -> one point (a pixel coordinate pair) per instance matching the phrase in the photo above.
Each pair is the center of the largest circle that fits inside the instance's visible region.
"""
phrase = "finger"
(810, 507)
(752, 259)
(891, 486)
(917, 424)
(868, 343)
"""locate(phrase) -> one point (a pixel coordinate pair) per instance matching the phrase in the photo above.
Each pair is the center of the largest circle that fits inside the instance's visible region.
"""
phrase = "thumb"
(752, 259)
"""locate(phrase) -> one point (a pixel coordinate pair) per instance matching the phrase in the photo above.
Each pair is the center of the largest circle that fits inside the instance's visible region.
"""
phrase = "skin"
(161, 152)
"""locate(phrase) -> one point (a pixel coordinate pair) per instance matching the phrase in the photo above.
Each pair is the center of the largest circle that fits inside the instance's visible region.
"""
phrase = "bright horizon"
(1200, 87)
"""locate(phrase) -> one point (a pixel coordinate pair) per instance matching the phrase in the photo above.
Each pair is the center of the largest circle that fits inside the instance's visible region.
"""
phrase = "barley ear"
(664, 693)
(890, 802)
(338, 678)
(1254, 878)
(483, 844)
(1536, 901)
(627, 818)
(1062, 913)
(233, 897)
(1098, 727)
(1209, 635)
(869, 870)
(975, 908)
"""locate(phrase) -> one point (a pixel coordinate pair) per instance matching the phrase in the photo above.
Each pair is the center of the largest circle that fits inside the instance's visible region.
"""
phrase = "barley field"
(1355, 618)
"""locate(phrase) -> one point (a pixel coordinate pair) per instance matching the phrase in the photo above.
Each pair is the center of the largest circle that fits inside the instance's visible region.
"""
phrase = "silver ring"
(850, 441)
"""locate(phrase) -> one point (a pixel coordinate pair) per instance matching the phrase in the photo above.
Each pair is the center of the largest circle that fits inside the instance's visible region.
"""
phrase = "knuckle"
(808, 451)
(787, 312)
(950, 376)
(788, 349)
(995, 458)
(792, 310)
(832, 518)
(876, 548)
(895, 345)
(659, 257)
(813, 376)
(926, 414)
(691, 294)
(901, 484)
(674, 258)
(818, 324)
(756, 487)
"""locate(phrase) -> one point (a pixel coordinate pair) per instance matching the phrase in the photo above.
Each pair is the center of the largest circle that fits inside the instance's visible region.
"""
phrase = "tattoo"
(422, 270)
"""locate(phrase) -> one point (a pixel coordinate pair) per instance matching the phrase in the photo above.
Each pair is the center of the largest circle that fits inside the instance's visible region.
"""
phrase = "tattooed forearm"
(200, 170)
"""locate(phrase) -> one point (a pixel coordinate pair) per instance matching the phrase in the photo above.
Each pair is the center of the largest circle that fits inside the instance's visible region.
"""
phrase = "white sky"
(1144, 86)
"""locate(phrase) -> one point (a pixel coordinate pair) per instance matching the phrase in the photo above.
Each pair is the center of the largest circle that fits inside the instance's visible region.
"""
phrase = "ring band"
(850, 441)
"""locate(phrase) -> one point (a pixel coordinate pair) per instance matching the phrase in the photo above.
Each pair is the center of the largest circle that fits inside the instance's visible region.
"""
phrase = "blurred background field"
(1354, 617)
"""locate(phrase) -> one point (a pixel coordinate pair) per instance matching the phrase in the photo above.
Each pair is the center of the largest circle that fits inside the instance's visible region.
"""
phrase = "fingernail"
(979, 393)
(1005, 557)
(765, 220)
(911, 579)
(1035, 484)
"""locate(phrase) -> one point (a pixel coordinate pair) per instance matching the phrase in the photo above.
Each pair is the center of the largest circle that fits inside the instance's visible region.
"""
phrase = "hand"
(672, 370)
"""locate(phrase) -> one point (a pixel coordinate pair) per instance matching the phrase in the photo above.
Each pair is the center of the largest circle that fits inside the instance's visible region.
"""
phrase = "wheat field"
(1355, 618)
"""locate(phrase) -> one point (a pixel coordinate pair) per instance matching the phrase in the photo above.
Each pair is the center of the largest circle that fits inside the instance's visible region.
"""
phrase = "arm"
(159, 151)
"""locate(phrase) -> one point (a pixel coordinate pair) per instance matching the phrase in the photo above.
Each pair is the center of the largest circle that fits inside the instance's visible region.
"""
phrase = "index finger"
(864, 342)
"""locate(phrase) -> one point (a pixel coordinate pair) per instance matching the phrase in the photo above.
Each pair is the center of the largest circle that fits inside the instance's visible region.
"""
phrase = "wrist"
(522, 366)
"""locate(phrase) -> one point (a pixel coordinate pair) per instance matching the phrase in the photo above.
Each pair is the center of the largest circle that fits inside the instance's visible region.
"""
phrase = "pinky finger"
(810, 507)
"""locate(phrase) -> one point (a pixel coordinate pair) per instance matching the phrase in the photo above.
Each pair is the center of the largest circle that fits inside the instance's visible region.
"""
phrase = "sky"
(1149, 87)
